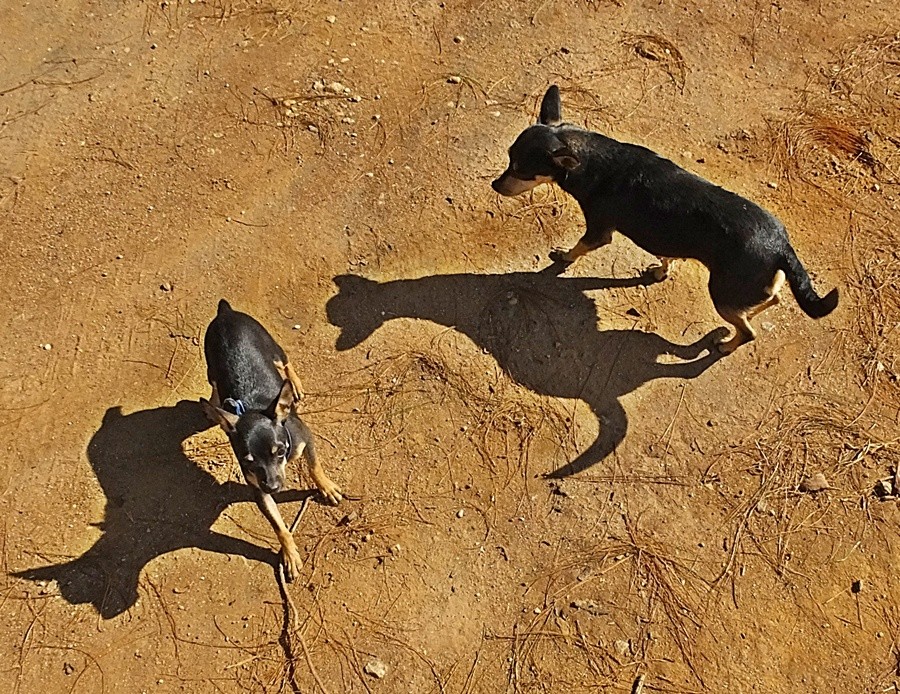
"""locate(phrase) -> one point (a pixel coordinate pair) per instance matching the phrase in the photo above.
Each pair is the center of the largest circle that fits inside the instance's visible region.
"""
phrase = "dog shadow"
(541, 329)
(157, 501)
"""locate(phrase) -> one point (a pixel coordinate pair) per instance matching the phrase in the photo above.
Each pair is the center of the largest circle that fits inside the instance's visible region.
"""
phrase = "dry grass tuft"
(643, 581)
(503, 419)
(845, 124)
(806, 436)
(875, 287)
(864, 76)
(808, 144)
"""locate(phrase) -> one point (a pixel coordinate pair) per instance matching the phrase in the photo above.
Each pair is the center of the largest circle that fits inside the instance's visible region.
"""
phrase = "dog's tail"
(224, 307)
(813, 305)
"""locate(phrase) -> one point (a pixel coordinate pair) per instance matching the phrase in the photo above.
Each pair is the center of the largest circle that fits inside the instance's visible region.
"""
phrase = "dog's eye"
(280, 450)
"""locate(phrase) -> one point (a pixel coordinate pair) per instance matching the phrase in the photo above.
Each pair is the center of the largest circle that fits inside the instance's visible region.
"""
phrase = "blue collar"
(235, 406)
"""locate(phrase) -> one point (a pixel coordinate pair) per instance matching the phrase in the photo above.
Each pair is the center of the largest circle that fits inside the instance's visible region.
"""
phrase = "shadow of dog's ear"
(354, 309)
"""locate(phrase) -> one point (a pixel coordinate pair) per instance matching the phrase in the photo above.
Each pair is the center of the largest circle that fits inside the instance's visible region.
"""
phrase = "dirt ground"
(326, 166)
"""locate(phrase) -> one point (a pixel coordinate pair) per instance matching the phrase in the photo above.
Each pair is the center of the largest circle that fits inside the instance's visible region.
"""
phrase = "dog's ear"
(226, 420)
(354, 283)
(355, 309)
(551, 107)
(565, 158)
(283, 404)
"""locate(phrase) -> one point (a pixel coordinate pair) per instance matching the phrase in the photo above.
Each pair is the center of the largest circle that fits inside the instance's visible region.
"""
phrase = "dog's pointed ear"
(354, 283)
(216, 415)
(284, 403)
(551, 107)
(566, 158)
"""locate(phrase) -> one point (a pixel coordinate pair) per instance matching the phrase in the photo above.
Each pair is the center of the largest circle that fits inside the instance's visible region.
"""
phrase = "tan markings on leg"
(773, 300)
(745, 332)
(777, 283)
(573, 254)
(295, 380)
(285, 370)
(661, 271)
(328, 488)
(772, 290)
(214, 398)
(290, 557)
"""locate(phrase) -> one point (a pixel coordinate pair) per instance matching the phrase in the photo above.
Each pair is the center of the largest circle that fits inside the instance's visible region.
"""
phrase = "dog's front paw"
(290, 559)
(558, 255)
(330, 491)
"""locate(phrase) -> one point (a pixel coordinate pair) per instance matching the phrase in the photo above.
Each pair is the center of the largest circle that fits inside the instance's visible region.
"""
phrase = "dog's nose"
(271, 487)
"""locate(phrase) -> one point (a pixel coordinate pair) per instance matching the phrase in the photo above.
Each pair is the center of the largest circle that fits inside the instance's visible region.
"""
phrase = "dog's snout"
(270, 486)
(270, 481)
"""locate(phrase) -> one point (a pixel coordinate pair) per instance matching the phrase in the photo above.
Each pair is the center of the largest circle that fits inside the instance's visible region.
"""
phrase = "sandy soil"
(325, 166)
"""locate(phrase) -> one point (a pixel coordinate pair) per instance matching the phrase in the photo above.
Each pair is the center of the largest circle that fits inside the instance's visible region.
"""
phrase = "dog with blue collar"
(254, 397)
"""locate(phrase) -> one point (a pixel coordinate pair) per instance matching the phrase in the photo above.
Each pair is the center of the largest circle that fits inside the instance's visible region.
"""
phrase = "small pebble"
(47, 347)
(331, 19)
(166, 287)
(816, 483)
(375, 668)
(454, 79)
(459, 514)
(296, 326)
(459, 39)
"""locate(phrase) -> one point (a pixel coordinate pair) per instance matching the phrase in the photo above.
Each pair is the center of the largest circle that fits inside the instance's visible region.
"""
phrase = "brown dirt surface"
(325, 166)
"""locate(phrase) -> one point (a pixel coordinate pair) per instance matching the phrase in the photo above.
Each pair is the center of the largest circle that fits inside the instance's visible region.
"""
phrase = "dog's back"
(241, 356)
(667, 210)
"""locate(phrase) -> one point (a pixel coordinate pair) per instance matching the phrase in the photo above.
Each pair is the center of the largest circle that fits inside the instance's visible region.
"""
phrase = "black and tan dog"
(254, 396)
(668, 212)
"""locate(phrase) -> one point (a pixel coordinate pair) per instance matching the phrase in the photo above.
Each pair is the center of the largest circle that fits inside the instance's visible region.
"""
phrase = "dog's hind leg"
(740, 291)
(773, 300)
(661, 271)
(772, 290)
(287, 371)
(745, 332)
